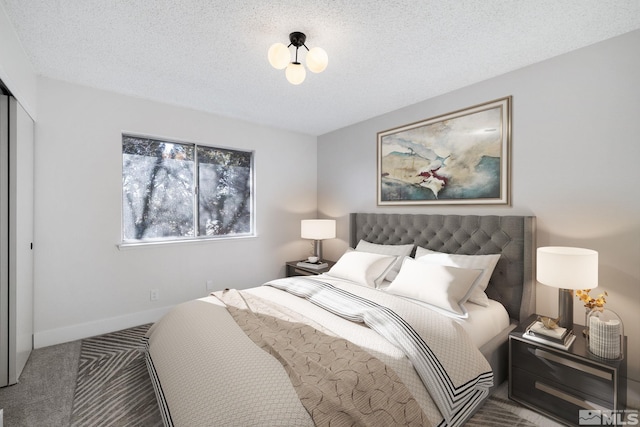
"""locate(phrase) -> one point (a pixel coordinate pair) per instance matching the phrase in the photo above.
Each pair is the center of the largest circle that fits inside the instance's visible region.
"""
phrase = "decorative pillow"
(362, 267)
(399, 251)
(487, 263)
(441, 286)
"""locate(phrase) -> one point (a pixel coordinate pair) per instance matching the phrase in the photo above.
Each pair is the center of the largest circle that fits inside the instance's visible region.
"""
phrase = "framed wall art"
(453, 159)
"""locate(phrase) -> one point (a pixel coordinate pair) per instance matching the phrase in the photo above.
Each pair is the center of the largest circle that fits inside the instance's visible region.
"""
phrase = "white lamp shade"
(279, 56)
(567, 268)
(317, 60)
(295, 73)
(318, 229)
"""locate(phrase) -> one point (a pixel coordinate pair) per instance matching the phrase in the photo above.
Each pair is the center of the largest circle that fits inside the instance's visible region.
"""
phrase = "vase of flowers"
(590, 303)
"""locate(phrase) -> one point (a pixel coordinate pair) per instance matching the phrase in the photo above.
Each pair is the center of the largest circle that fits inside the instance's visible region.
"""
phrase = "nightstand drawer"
(553, 398)
(578, 376)
(301, 272)
(292, 269)
(562, 382)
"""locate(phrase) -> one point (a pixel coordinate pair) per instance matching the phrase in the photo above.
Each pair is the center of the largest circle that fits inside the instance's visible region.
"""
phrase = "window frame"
(196, 238)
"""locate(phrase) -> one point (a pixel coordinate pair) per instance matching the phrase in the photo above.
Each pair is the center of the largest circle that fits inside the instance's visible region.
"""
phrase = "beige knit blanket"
(337, 382)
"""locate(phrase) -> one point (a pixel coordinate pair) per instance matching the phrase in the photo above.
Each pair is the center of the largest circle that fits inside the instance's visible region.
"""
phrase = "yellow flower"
(589, 301)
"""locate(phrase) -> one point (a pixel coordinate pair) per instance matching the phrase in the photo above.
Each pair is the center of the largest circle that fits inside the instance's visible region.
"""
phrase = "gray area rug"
(498, 410)
(113, 388)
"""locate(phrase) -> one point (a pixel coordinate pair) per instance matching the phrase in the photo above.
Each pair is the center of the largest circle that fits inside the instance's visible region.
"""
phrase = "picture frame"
(458, 158)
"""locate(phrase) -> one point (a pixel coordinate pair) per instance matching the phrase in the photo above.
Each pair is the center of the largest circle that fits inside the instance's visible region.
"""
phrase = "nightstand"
(560, 383)
(293, 270)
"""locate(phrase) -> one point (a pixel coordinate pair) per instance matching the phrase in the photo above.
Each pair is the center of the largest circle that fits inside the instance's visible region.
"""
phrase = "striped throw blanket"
(456, 394)
(338, 383)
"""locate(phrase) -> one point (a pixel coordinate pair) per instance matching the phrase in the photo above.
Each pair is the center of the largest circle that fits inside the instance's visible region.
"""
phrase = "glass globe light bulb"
(295, 73)
(279, 56)
(317, 60)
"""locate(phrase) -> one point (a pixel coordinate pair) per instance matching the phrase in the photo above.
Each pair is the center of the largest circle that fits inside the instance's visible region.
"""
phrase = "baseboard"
(98, 327)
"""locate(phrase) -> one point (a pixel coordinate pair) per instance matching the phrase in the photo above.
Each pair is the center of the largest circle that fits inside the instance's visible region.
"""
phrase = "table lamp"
(318, 230)
(568, 269)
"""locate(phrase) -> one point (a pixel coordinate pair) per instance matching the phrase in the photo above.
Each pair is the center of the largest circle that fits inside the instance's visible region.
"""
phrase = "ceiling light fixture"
(280, 57)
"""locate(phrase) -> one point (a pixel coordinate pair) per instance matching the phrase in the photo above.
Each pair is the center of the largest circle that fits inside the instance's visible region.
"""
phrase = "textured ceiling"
(383, 54)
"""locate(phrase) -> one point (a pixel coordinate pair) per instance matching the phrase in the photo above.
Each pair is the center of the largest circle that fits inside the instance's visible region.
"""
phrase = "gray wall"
(576, 165)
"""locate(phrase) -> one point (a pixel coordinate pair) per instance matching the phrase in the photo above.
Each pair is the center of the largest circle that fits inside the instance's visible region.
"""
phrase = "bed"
(362, 344)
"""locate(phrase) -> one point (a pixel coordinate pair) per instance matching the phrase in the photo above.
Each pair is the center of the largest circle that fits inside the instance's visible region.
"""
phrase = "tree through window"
(174, 190)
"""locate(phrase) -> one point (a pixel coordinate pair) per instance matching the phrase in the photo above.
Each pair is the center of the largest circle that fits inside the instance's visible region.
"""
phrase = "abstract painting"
(456, 158)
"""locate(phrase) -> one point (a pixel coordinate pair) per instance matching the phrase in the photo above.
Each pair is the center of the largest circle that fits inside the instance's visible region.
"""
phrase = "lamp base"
(565, 308)
(317, 249)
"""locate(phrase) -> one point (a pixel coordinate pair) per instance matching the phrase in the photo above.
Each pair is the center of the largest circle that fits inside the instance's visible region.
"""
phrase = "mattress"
(485, 323)
(482, 324)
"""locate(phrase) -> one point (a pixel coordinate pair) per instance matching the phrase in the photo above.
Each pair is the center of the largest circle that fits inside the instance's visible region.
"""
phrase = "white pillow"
(363, 268)
(441, 286)
(487, 263)
(395, 250)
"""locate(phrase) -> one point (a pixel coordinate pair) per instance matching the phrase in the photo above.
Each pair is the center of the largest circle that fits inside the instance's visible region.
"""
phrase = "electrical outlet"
(154, 295)
(209, 285)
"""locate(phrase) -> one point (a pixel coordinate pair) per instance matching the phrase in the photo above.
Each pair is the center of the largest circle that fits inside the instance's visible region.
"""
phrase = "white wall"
(576, 165)
(84, 284)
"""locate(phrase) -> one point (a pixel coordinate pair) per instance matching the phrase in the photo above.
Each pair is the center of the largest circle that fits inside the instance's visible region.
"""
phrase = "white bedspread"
(210, 372)
(484, 323)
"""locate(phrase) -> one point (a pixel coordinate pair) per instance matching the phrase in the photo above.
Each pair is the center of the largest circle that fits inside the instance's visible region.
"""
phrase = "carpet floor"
(103, 381)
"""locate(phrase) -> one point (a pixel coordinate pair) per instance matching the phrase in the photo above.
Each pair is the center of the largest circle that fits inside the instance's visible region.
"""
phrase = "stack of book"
(315, 265)
(557, 337)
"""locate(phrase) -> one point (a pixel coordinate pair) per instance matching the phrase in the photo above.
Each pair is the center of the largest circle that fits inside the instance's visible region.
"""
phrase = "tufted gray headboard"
(512, 282)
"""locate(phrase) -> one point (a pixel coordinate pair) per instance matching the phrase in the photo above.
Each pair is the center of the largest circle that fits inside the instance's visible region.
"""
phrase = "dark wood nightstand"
(294, 270)
(560, 383)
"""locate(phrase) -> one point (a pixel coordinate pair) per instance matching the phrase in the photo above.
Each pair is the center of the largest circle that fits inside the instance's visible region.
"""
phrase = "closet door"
(16, 237)
(4, 240)
(21, 171)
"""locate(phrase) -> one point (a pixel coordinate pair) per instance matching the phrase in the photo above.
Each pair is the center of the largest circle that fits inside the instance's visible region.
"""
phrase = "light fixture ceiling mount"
(280, 57)
(297, 39)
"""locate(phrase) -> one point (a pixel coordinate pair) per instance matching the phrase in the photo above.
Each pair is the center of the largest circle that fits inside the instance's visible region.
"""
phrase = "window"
(173, 191)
